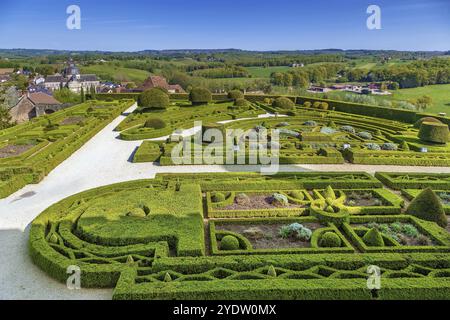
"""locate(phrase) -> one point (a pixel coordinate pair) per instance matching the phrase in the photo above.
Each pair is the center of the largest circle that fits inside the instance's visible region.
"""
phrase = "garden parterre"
(245, 236)
(28, 152)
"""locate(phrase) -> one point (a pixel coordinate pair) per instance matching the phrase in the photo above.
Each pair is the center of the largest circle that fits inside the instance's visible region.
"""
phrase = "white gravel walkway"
(101, 161)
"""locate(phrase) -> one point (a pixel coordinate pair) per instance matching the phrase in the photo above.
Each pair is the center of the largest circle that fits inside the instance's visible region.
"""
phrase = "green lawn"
(440, 94)
(107, 71)
(261, 72)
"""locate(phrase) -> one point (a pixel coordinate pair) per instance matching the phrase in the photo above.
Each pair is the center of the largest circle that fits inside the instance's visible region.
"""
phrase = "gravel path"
(101, 161)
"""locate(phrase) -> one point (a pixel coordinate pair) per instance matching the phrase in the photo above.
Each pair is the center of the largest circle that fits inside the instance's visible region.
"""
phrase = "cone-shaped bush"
(167, 277)
(53, 238)
(373, 238)
(404, 146)
(130, 259)
(271, 271)
(427, 206)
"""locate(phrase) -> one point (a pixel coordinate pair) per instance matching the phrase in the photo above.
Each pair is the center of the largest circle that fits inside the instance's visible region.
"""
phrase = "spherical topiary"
(373, 238)
(153, 99)
(235, 94)
(241, 102)
(330, 239)
(200, 96)
(426, 119)
(283, 103)
(427, 206)
(307, 104)
(218, 197)
(323, 106)
(229, 243)
(434, 132)
(155, 123)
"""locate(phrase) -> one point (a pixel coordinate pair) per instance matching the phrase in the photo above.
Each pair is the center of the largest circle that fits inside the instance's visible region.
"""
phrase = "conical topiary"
(130, 259)
(404, 146)
(427, 206)
(373, 238)
(167, 277)
(271, 271)
(54, 238)
(329, 193)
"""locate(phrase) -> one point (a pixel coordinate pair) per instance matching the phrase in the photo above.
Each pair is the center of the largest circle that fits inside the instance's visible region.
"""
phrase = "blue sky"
(131, 25)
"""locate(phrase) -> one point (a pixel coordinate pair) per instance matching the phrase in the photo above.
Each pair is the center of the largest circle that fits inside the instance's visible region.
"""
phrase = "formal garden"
(311, 131)
(246, 236)
(29, 151)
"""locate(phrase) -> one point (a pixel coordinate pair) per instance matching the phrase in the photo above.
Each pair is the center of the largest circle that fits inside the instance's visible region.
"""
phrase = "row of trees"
(302, 77)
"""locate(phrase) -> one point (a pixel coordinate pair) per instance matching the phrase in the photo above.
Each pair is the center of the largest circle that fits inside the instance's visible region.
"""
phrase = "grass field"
(261, 72)
(440, 94)
(107, 71)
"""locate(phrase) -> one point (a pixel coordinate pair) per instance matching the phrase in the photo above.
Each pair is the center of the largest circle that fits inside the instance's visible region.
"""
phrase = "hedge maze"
(311, 132)
(28, 152)
(247, 236)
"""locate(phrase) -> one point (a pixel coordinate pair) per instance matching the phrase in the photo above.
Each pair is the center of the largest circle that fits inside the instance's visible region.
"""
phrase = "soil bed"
(362, 199)
(271, 238)
(259, 201)
(14, 150)
(72, 120)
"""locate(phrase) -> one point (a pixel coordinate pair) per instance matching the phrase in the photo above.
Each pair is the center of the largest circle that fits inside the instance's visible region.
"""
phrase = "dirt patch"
(271, 238)
(259, 201)
(14, 150)
(362, 199)
(72, 120)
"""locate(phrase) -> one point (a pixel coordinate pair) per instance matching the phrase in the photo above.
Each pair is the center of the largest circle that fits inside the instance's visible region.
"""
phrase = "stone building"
(33, 105)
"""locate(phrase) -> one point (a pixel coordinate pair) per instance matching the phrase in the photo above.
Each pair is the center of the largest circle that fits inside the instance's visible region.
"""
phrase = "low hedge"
(400, 181)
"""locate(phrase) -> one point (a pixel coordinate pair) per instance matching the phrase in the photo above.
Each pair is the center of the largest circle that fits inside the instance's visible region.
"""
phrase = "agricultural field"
(245, 236)
(265, 72)
(115, 73)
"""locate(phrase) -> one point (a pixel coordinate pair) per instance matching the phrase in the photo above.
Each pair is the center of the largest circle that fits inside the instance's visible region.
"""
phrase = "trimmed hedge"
(434, 132)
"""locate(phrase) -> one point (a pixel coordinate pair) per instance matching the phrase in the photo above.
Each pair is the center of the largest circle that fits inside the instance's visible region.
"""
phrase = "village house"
(32, 105)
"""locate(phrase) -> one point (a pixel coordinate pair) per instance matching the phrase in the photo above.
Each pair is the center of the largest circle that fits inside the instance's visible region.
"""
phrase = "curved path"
(101, 161)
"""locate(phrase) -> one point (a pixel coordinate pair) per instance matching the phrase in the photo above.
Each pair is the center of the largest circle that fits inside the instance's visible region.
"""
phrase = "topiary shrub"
(200, 96)
(311, 123)
(348, 129)
(280, 200)
(235, 94)
(297, 195)
(404, 146)
(365, 135)
(331, 124)
(373, 238)
(242, 198)
(434, 132)
(426, 119)
(427, 206)
(271, 271)
(389, 146)
(283, 103)
(330, 239)
(323, 106)
(307, 104)
(153, 99)
(167, 277)
(155, 123)
(217, 197)
(241, 102)
(229, 243)
(373, 146)
(329, 193)
(327, 130)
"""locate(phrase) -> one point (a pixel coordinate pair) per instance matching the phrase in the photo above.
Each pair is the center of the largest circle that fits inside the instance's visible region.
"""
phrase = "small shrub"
(423, 240)
(434, 132)
(323, 106)
(242, 199)
(279, 200)
(283, 103)
(311, 123)
(229, 243)
(217, 197)
(235, 94)
(327, 130)
(307, 104)
(155, 123)
(167, 277)
(241, 102)
(330, 239)
(272, 272)
(373, 146)
(331, 124)
(404, 146)
(389, 146)
(303, 234)
(410, 230)
(373, 238)
(329, 193)
(348, 129)
(365, 135)
(427, 206)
